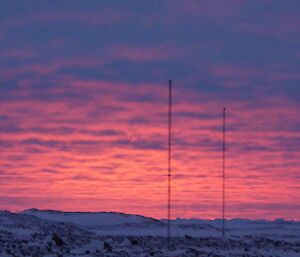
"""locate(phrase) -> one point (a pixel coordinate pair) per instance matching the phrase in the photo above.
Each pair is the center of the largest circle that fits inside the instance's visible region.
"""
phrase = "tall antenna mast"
(224, 149)
(169, 162)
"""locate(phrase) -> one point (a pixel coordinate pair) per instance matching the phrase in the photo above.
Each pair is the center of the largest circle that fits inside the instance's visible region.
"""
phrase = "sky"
(84, 106)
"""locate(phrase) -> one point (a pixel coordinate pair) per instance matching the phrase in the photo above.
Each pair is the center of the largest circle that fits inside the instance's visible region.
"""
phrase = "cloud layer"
(83, 106)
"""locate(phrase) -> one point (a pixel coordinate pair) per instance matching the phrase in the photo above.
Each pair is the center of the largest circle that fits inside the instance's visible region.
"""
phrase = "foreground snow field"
(53, 233)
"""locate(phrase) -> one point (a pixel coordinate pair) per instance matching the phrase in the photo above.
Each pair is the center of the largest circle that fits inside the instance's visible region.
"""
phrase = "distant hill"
(95, 219)
(113, 223)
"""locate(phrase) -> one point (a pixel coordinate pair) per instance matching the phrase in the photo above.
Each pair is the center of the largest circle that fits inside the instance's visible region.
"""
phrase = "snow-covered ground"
(53, 233)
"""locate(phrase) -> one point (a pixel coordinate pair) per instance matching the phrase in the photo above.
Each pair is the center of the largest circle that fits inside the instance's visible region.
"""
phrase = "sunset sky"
(83, 106)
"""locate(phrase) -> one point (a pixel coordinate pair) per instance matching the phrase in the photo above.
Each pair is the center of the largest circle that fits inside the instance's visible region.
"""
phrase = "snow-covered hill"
(112, 223)
(102, 223)
(54, 233)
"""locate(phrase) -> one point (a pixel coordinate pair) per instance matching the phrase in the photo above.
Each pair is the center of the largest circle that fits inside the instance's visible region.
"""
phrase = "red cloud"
(115, 140)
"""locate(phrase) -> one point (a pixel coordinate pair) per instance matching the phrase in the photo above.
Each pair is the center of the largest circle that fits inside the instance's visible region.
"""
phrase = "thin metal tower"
(224, 150)
(169, 162)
